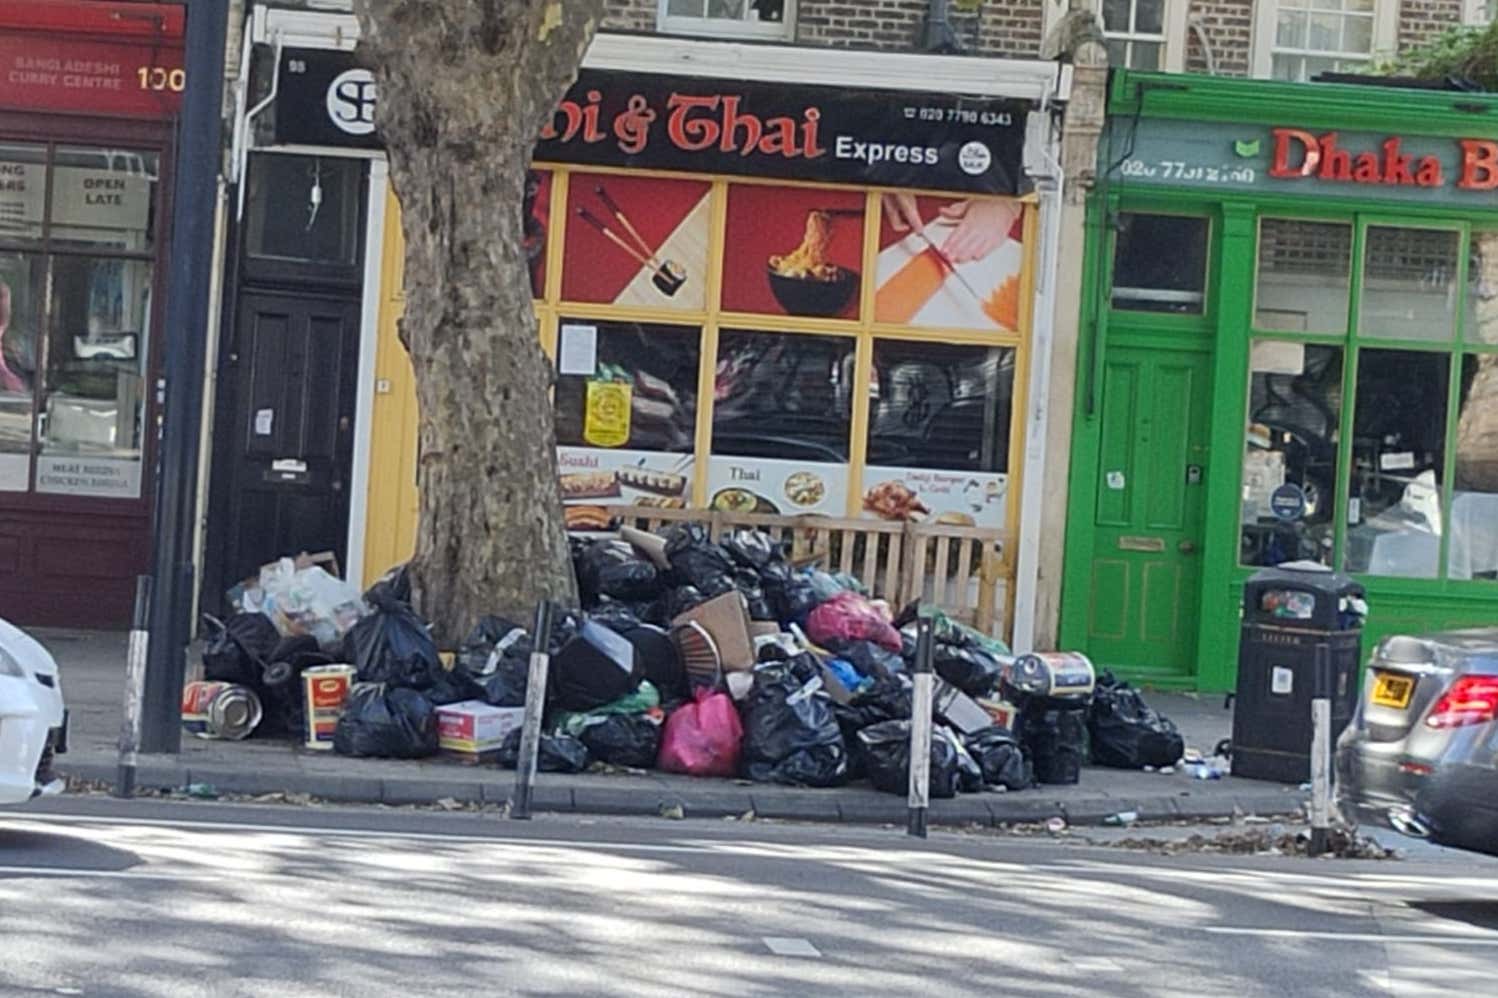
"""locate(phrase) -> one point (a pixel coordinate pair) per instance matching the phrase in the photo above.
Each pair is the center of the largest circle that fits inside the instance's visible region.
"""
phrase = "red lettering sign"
(92, 57)
(1299, 155)
(1479, 165)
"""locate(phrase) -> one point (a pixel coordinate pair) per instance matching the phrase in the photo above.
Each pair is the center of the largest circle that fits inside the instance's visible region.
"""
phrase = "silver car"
(1421, 753)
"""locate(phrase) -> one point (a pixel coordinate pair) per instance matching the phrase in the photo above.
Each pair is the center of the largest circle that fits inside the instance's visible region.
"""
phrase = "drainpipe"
(939, 36)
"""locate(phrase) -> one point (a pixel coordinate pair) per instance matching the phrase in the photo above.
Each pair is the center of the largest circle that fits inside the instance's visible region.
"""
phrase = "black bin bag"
(556, 753)
(386, 722)
(1056, 743)
(1127, 733)
(999, 755)
(392, 645)
(886, 753)
(790, 733)
(239, 648)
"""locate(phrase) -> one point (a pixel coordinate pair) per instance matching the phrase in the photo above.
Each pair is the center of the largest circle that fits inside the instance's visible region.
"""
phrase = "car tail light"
(1470, 700)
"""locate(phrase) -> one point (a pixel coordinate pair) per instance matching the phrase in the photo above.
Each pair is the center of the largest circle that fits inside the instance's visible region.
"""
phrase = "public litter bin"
(1287, 615)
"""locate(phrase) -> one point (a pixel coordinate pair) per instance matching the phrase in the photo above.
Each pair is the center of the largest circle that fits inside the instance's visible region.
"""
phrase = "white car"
(33, 721)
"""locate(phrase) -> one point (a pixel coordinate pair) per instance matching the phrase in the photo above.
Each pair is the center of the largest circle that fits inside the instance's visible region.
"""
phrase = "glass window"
(304, 208)
(1399, 432)
(1304, 276)
(21, 282)
(1316, 36)
(940, 406)
(23, 186)
(1481, 322)
(783, 395)
(1473, 552)
(627, 384)
(771, 18)
(104, 198)
(1409, 283)
(1290, 455)
(1134, 32)
(1148, 280)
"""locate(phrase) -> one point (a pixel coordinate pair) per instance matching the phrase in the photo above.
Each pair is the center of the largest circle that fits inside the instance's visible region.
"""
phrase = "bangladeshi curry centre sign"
(1228, 158)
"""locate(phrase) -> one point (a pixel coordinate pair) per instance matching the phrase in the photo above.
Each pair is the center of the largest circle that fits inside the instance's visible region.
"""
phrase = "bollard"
(919, 801)
(1321, 754)
(535, 706)
(135, 688)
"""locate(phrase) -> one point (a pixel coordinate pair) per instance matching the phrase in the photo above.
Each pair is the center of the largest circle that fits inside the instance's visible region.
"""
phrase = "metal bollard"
(535, 706)
(1321, 751)
(135, 688)
(919, 801)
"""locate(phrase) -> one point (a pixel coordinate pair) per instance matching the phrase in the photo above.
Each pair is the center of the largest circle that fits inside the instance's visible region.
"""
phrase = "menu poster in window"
(592, 479)
(639, 241)
(535, 211)
(793, 251)
(762, 485)
(104, 478)
(950, 498)
(952, 263)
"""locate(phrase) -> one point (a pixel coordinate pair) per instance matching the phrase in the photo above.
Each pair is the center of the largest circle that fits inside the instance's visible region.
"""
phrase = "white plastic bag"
(309, 601)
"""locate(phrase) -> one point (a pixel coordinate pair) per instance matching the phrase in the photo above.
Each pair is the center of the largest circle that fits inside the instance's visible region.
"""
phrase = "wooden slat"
(870, 574)
(893, 566)
(965, 570)
(939, 581)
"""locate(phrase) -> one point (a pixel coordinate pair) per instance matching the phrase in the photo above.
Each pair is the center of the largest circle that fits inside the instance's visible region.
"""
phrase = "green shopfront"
(1289, 352)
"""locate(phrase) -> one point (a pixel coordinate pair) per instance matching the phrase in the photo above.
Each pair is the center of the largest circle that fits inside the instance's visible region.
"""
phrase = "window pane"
(768, 11)
(1399, 435)
(1482, 289)
(288, 222)
(23, 185)
(1474, 504)
(1325, 33)
(726, 8)
(1305, 275)
(1144, 55)
(1118, 51)
(1149, 17)
(686, 8)
(1116, 15)
(22, 278)
(1147, 280)
(104, 198)
(1409, 283)
(94, 409)
(1287, 67)
(1290, 461)
(1290, 32)
(654, 365)
(1357, 34)
(783, 395)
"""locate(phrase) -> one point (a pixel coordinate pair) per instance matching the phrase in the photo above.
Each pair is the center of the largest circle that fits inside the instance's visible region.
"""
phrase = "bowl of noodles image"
(804, 281)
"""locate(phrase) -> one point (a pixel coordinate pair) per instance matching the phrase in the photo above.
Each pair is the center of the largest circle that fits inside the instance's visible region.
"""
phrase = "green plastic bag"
(645, 697)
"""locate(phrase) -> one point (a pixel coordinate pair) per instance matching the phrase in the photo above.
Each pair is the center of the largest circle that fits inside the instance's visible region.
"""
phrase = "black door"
(294, 364)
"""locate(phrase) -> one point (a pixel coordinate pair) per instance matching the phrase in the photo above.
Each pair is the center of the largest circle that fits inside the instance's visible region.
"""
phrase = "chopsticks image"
(618, 213)
(667, 275)
(613, 237)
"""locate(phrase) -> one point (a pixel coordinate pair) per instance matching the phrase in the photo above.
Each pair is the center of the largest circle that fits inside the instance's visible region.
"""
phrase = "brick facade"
(1420, 21)
(1229, 29)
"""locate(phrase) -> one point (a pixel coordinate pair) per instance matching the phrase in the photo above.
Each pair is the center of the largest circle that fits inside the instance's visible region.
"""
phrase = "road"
(99, 897)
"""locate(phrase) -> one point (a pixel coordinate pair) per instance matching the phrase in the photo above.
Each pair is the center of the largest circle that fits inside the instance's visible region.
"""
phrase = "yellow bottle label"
(607, 420)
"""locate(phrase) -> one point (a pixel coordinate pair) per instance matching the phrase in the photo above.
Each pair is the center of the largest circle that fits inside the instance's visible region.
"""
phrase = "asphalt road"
(99, 897)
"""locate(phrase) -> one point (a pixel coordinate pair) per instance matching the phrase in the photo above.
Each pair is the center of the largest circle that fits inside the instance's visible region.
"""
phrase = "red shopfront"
(89, 94)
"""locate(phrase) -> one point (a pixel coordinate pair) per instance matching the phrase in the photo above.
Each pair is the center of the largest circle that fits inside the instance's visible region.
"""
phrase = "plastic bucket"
(325, 688)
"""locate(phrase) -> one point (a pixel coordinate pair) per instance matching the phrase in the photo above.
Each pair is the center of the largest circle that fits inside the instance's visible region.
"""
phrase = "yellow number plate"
(1390, 690)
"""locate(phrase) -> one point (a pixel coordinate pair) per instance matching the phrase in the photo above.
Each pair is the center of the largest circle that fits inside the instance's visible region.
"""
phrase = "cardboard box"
(726, 620)
(652, 546)
(958, 709)
(473, 730)
(763, 629)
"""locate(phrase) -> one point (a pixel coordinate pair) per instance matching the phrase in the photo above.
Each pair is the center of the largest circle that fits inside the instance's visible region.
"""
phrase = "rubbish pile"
(690, 655)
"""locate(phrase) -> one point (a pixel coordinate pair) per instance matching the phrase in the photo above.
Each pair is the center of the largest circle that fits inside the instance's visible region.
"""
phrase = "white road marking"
(787, 946)
(1465, 939)
(64, 872)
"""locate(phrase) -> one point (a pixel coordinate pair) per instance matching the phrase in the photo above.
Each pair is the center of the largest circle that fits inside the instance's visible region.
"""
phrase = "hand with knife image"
(979, 225)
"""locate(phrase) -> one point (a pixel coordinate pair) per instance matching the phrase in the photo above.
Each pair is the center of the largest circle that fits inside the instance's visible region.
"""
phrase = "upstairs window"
(1134, 31)
(1300, 39)
(769, 19)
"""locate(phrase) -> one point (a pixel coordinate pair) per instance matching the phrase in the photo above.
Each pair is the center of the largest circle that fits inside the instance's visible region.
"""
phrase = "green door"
(1145, 579)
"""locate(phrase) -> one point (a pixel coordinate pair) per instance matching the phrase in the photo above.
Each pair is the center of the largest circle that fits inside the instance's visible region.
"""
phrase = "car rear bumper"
(1453, 804)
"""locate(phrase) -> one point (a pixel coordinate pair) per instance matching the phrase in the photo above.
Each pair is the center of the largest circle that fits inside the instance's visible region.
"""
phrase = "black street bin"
(1287, 615)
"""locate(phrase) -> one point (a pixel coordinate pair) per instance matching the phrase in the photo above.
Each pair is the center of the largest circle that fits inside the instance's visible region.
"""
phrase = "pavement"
(93, 664)
(160, 898)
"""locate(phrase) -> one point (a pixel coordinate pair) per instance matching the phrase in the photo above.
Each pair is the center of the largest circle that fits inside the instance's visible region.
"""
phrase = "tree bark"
(465, 87)
(1477, 424)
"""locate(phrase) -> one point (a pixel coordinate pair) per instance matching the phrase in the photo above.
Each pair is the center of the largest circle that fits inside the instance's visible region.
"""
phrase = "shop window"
(938, 438)
(781, 420)
(22, 277)
(1409, 283)
(304, 209)
(1160, 263)
(1399, 434)
(1481, 320)
(103, 199)
(1319, 36)
(953, 263)
(1304, 276)
(1473, 552)
(23, 185)
(640, 241)
(729, 18)
(794, 251)
(1290, 456)
(93, 414)
(1134, 32)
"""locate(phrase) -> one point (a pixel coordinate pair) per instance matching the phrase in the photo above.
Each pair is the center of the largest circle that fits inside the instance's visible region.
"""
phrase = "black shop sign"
(325, 98)
(798, 132)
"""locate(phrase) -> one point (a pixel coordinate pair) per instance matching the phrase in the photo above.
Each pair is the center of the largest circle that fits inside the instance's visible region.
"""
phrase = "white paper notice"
(264, 419)
(577, 350)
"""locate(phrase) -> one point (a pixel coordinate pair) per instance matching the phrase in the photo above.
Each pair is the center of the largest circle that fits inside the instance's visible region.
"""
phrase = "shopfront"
(769, 296)
(88, 94)
(1290, 353)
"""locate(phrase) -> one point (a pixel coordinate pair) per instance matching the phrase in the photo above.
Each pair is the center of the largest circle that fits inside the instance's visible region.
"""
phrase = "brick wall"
(1229, 27)
(1421, 21)
(629, 15)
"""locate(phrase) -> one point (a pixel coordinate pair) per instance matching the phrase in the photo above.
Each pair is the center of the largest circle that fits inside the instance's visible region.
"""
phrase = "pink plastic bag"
(703, 738)
(850, 617)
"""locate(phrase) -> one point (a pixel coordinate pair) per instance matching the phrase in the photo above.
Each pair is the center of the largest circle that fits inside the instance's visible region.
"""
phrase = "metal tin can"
(325, 688)
(220, 710)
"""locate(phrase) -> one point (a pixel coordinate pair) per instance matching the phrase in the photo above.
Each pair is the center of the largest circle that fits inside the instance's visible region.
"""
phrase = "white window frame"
(1475, 13)
(723, 27)
(1173, 58)
(1385, 33)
